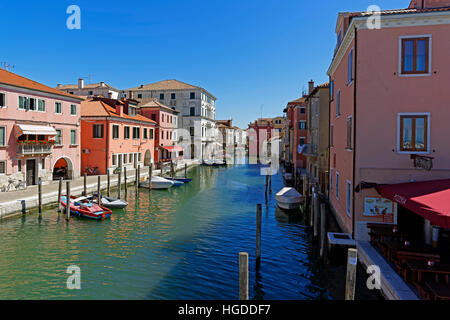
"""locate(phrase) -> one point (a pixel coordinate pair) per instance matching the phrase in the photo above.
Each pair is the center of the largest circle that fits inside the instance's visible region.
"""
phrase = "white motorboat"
(110, 202)
(289, 198)
(157, 183)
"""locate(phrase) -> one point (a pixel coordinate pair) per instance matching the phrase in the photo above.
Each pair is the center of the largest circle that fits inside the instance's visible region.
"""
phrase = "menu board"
(374, 206)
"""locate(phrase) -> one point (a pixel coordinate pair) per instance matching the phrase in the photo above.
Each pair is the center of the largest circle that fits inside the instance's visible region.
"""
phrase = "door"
(31, 172)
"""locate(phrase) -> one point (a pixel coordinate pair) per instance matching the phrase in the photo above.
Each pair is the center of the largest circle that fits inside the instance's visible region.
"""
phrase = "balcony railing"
(29, 149)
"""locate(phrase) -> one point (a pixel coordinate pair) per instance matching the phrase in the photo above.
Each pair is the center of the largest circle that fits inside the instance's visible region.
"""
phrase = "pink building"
(39, 131)
(389, 118)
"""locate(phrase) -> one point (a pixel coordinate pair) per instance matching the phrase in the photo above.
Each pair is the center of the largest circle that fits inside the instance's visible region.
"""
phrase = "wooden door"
(31, 172)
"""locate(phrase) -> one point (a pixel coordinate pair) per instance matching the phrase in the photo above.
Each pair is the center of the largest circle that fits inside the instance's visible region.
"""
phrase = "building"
(389, 120)
(296, 131)
(166, 133)
(234, 141)
(196, 105)
(91, 90)
(39, 131)
(260, 133)
(317, 149)
(114, 136)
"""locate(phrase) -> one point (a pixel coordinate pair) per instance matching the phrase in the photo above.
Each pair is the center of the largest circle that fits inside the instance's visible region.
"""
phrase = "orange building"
(114, 135)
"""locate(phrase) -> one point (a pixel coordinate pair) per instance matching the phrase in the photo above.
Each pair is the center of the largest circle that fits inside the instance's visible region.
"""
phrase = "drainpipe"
(354, 132)
(107, 143)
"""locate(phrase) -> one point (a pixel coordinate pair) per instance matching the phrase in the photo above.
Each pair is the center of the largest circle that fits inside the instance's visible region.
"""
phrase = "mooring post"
(351, 274)
(136, 178)
(150, 177)
(311, 210)
(85, 184)
(304, 192)
(125, 179)
(99, 196)
(185, 170)
(270, 181)
(40, 196)
(171, 169)
(68, 200)
(316, 214)
(258, 232)
(59, 194)
(139, 176)
(108, 182)
(119, 184)
(243, 276)
(267, 183)
(322, 229)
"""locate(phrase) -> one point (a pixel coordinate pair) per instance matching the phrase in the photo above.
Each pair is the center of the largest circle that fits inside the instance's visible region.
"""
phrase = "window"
(125, 159)
(302, 125)
(126, 132)
(43, 163)
(192, 96)
(154, 117)
(58, 138)
(172, 96)
(349, 133)
(58, 108)
(162, 117)
(19, 165)
(139, 157)
(302, 140)
(145, 133)
(2, 100)
(331, 89)
(32, 104)
(338, 104)
(331, 136)
(139, 95)
(161, 96)
(136, 132)
(2, 136)
(337, 185)
(414, 133)
(192, 111)
(151, 133)
(191, 129)
(302, 111)
(2, 167)
(22, 102)
(73, 137)
(350, 67)
(98, 131)
(73, 109)
(91, 93)
(41, 105)
(115, 132)
(114, 160)
(331, 179)
(415, 55)
(175, 121)
(349, 198)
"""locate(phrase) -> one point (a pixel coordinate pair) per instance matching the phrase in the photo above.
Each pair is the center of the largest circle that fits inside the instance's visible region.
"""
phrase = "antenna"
(261, 109)
(88, 78)
(6, 65)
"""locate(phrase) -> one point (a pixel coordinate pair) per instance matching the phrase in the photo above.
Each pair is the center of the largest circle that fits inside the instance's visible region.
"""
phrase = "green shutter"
(2, 137)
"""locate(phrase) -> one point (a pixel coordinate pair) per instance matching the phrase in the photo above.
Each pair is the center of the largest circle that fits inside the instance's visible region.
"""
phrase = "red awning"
(429, 199)
(174, 148)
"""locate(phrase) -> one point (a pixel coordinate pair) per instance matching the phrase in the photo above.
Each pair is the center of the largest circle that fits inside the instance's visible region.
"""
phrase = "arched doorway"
(63, 169)
(147, 158)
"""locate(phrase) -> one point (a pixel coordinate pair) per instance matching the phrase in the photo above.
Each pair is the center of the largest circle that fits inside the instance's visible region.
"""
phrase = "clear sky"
(253, 55)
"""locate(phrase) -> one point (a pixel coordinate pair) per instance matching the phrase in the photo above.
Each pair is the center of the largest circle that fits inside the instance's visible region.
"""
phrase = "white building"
(196, 105)
(90, 90)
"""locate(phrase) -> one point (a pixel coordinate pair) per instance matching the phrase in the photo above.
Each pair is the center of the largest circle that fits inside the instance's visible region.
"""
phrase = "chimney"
(59, 85)
(310, 87)
(102, 84)
(119, 109)
(80, 83)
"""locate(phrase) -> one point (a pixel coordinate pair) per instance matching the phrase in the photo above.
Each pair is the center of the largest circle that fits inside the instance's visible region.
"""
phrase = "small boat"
(176, 183)
(82, 207)
(289, 198)
(214, 163)
(185, 180)
(287, 176)
(157, 183)
(110, 202)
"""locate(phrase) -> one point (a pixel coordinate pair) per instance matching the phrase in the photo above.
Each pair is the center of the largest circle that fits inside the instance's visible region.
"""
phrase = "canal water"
(181, 243)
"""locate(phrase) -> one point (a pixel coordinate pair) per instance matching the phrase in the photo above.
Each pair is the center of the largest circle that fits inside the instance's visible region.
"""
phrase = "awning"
(22, 129)
(429, 199)
(173, 148)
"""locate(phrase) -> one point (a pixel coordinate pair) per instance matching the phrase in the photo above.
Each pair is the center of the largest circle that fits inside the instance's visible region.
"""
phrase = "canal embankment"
(24, 201)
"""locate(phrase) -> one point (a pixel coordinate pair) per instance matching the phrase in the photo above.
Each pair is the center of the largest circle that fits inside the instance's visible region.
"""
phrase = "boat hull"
(87, 209)
(157, 183)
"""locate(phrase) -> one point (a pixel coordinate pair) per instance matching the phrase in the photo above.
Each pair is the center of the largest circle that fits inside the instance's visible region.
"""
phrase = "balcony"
(32, 149)
(310, 150)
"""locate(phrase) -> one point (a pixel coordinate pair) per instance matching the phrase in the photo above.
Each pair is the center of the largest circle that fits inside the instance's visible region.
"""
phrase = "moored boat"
(185, 180)
(110, 202)
(157, 183)
(82, 207)
(289, 199)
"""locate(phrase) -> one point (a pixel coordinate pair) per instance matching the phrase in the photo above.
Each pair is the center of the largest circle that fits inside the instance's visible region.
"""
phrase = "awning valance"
(173, 148)
(429, 199)
(22, 129)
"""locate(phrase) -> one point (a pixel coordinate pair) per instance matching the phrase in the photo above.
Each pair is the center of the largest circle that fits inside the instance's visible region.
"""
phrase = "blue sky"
(253, 55)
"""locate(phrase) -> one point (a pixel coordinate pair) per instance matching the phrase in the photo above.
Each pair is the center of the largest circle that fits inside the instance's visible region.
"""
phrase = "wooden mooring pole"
(185, 170)
(150, 174)
(59, 193)
(99, 196)
(108, 182)
(243, 276)
(68, 200)
(40, 197)
(316, 213)
(258, 232)
(351, 274)
(138, 176)
(119, 184)
(322, 229)
(125, 179)
(267, 183)
(85, 184)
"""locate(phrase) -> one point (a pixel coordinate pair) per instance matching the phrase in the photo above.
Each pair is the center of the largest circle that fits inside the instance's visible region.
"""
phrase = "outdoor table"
(378, 235)
(440, 291)
(396, 246)
(419, 267)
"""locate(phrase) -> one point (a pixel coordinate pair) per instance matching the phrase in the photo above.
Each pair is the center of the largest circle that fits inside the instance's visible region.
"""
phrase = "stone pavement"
(17, 202)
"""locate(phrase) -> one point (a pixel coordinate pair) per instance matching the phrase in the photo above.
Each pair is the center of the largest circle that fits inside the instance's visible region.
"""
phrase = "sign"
(423, 162)
(374, 206)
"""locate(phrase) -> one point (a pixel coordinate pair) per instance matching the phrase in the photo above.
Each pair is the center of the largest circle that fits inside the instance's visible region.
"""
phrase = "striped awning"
(22, 129)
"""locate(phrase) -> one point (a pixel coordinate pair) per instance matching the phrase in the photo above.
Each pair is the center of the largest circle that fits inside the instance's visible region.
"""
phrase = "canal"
(181, 243)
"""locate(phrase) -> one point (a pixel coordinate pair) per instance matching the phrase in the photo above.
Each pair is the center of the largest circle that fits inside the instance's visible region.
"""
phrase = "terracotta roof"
(92, 108)
(154, 104)
(297, 101)
(13, 79)
(87, 86)
(167, 85)
(320, 86)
